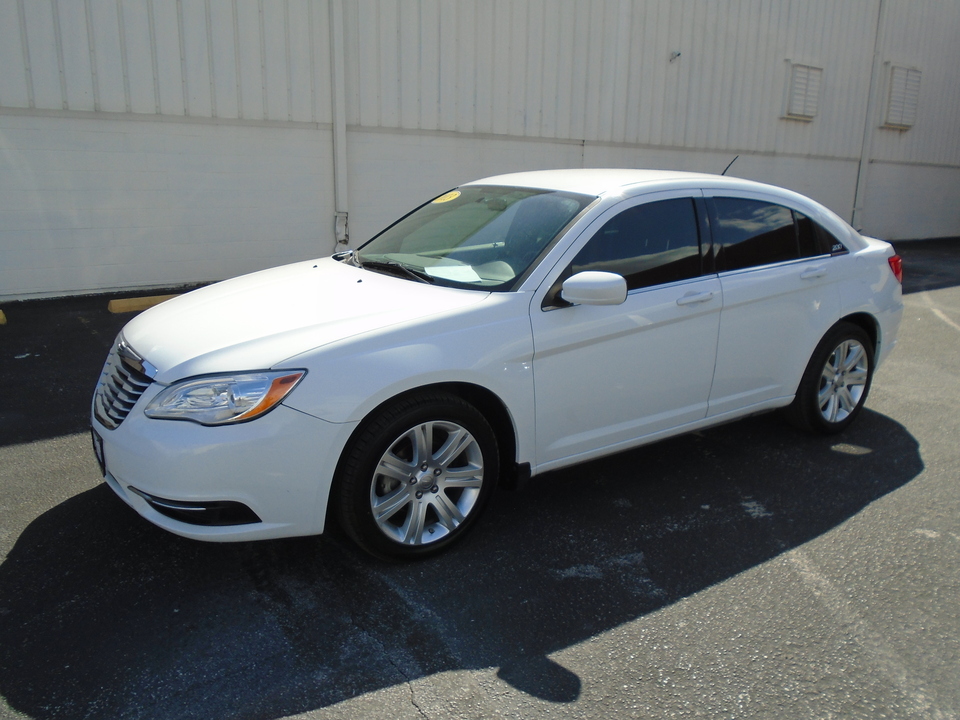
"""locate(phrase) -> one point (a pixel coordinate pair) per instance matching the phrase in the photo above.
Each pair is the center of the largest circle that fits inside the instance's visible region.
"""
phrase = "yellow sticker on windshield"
(452, 195)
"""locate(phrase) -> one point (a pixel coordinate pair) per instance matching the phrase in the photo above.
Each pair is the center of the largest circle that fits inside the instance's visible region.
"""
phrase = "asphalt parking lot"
(744, 572)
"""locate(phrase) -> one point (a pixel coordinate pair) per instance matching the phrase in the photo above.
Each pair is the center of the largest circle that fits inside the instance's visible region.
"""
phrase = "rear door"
(779, 298)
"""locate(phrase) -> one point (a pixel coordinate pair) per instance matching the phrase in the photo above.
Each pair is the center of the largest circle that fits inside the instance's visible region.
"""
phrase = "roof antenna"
(728, 166)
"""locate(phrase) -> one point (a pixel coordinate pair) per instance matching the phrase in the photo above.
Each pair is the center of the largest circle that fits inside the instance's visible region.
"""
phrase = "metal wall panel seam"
(780, 136)
(483, 72)
(383, 61)
(24, 44)
(761, 91)
(175, 119)
(765, 75)
(262, 29)
(105, 24)
(734, 131)
(183, 58)
(350, 56)
(313, 62)
(91, 44)
(658, 72)
(697, 61)
(533, 115)
(861, 64)
(467, 66)
(518, 49)
(236, 57)
(124, 67)
(338, 99)
(631, 99)
(153, 55)
(713, 78)
(76, 56)
(429, 69)
(869, 117)
(408, 79)
(617, 127)
(804, 53)
(918, 163)
(286, 53)
(834, 102)
(683, 72)
(830, 118)
(744, 152)
(366, 52)
(745, 61)
(832, 105)
(389, 43)
(673, 73)
(58, 39)
(501, 68)
(211, 64)
(451, 134)
(595, 80)
(912, 144)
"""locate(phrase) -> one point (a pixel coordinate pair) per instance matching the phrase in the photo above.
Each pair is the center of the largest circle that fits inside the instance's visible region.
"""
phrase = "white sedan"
(512, 326)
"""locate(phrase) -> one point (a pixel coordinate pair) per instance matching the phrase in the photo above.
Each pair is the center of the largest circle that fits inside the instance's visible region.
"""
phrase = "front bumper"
(214, 483)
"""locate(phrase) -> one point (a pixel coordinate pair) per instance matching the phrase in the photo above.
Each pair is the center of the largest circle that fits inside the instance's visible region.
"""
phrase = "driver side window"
(648, 244)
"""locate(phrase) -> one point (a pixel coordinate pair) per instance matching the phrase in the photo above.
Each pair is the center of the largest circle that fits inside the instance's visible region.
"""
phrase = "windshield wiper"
(395, 268)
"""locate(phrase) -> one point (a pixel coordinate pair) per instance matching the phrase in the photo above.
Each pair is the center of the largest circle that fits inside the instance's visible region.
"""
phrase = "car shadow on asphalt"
(102, 615)
(929, 264)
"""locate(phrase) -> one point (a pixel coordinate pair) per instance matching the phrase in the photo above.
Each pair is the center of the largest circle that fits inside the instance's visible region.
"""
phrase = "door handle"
(695, 298)
(815, 272)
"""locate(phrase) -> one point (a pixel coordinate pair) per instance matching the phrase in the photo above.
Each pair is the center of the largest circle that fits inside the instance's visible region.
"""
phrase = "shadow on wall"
(103, 615)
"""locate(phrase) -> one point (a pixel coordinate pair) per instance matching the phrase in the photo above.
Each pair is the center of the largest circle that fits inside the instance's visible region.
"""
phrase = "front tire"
(836, 382)
(417, 476)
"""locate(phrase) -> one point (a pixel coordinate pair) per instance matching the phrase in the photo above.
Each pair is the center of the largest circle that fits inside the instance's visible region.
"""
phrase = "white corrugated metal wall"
(153, 142)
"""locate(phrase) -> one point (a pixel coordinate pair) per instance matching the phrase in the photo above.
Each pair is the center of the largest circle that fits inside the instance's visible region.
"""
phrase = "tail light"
(896, 264)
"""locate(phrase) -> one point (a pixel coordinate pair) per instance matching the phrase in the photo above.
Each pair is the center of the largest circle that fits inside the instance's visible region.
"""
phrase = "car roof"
(599, 181)
(609, 182)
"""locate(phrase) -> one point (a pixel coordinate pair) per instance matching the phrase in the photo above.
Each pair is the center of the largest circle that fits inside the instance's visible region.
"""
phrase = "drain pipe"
(339, 102)
(870, 121)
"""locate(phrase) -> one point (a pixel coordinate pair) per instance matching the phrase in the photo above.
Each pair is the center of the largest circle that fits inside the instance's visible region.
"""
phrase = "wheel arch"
(806, 410)
(500, 419)
(868, 324)
(483, 399)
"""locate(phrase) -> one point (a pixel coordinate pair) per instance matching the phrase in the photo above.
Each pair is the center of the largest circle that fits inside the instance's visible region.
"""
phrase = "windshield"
(476, 236)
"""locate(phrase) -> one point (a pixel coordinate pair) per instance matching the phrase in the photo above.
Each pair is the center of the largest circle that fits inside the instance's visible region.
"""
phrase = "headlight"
(222, 399)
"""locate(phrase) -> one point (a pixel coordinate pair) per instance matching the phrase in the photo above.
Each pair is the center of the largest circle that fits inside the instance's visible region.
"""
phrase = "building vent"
(903, 98)
(803, 96)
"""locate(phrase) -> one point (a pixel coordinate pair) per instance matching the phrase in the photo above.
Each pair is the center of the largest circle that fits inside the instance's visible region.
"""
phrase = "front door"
(606, 376)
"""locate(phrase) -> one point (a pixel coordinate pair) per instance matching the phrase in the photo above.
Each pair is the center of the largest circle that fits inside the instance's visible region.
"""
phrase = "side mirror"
(594, 288)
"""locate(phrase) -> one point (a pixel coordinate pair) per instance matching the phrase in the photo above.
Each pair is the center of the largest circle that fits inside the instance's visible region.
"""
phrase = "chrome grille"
(121, 385)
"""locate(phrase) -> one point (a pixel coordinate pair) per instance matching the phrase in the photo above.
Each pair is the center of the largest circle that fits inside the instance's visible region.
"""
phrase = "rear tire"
(417, 476)
(836, 382)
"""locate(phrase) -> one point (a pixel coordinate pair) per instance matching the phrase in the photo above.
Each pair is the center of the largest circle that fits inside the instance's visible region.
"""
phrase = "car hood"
(256, 321)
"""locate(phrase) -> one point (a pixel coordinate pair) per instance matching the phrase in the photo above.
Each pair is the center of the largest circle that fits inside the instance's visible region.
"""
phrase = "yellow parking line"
(125, 305)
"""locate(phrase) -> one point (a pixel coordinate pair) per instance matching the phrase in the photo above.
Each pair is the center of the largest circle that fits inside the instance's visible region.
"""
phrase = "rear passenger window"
(749, 233)
(814, 239)
(649, 244)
